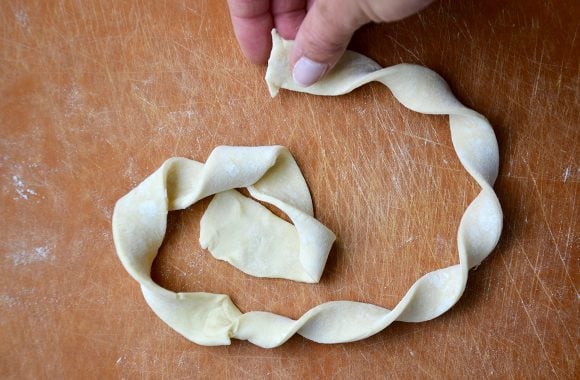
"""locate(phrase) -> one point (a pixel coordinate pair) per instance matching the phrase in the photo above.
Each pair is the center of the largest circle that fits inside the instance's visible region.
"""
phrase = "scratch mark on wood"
(552, 237)
(532, 323)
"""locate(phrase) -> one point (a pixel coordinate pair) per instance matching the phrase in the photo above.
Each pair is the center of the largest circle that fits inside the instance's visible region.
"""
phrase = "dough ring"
(243, 232)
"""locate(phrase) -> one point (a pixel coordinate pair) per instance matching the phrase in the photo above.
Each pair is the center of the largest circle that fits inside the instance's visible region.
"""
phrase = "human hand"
(321, 29)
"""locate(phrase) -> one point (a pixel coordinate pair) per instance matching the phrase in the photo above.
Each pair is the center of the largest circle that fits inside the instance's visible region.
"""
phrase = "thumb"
(323, 38)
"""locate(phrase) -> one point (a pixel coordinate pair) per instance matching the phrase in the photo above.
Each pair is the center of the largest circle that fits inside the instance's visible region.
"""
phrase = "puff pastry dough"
(243, 232)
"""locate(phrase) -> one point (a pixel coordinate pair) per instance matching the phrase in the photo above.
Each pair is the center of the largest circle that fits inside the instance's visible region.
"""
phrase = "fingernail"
(307, 72)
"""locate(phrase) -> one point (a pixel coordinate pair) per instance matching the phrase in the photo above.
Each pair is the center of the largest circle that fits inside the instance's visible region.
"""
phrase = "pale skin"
(322, 29)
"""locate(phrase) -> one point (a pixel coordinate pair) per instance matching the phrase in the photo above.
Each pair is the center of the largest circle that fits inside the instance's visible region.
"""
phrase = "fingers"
(328, 28)
(323, 38)
(392, 10)
(252, 21)
(288, 16)
(321, 35)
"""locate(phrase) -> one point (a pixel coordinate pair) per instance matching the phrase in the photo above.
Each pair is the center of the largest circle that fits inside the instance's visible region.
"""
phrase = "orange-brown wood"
(95, 95)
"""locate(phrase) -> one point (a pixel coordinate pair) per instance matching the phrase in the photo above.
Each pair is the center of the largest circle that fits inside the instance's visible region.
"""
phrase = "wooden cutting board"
(95, 95)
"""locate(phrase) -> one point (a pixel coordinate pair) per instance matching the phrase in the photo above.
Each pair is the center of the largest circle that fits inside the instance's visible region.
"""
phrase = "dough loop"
(243, 232)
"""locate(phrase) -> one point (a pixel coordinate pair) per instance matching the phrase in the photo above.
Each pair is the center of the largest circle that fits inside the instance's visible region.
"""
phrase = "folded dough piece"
(235, 228)
(247, 235)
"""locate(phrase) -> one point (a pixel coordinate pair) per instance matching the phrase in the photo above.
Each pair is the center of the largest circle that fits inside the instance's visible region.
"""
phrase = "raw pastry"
(241, 231)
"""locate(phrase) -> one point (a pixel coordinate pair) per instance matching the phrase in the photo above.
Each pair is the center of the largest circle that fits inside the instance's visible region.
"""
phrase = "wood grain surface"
(95, 95)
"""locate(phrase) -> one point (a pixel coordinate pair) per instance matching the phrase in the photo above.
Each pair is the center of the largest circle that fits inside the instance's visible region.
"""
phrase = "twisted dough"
(244, 233)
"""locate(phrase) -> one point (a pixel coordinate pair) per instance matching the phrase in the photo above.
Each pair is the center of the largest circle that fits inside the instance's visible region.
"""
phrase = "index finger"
(252, 21)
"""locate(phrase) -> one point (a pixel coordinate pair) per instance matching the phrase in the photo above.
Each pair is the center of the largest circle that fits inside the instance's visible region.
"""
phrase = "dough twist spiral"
(271, 247)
